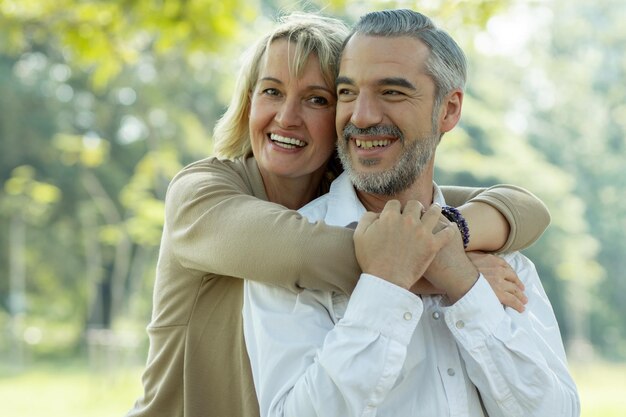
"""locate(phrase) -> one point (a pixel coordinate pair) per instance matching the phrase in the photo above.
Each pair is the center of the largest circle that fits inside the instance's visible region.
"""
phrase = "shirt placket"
(449, 362)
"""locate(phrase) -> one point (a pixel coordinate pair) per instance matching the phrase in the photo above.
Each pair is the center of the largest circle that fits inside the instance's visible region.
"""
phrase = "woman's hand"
(502, 278)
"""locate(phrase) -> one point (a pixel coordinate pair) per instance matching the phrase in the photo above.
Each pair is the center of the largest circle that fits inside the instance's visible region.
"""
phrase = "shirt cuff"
(384, 307)
(476, 316)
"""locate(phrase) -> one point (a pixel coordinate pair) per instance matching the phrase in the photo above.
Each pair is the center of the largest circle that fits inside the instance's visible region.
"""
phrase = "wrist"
(386, 272)
(456, 217)
(463, 286)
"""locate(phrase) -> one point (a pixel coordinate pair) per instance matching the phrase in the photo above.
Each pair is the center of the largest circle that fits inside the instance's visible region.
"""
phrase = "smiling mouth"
(369, 144)
(287, 143)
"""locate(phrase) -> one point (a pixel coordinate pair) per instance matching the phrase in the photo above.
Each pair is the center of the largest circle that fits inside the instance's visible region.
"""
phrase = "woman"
(226, 219)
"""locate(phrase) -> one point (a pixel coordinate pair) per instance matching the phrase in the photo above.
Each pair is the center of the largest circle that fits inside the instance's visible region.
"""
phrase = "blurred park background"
(102, 102)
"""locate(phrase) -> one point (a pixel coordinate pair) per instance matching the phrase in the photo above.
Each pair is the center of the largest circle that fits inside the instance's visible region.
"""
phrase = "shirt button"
(451, 372)
(436, 315)
(408, 316)
(460, 324)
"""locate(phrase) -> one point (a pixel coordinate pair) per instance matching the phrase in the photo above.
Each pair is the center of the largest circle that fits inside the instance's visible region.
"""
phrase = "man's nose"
(366, 112)
(289, 114)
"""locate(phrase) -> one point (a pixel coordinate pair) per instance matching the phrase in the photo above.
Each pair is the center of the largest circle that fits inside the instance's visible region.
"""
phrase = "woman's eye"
(271, 92)
(318, 100)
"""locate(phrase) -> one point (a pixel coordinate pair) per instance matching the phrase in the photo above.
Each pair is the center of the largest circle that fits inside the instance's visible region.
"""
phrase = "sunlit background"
(102, 102)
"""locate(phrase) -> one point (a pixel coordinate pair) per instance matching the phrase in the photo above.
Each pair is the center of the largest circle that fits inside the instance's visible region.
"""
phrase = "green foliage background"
(101, 102)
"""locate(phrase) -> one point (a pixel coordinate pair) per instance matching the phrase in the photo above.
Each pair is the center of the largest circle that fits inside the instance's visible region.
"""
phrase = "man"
(385, 351)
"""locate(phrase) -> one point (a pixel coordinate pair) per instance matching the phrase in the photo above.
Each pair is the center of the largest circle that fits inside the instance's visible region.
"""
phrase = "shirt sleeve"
(304, 364)
(216, 225)
(527, 215)
(517, 361)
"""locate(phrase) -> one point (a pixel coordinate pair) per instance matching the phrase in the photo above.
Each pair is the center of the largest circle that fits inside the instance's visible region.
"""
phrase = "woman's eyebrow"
(272, 79)
(310, 87)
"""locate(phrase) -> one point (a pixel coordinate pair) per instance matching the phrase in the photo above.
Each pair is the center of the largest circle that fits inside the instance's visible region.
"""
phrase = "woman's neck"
(292, 193)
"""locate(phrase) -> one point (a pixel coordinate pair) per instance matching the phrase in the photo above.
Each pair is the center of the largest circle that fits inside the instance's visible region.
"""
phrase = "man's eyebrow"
(398, 82)
(389, 81)
(343, 80)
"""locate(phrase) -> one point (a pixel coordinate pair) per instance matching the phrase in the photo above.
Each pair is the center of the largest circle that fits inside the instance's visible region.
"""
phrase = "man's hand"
(451, 270)
(424, 287)
(398, 245)
(503, 280)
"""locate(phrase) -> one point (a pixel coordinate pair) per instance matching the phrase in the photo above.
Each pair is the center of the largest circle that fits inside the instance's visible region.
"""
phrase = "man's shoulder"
(336, 206)
(522, 266)
(316, 209)
(514, 257)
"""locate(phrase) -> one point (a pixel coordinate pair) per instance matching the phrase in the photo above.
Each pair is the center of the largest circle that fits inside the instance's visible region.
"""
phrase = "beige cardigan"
(217, 223)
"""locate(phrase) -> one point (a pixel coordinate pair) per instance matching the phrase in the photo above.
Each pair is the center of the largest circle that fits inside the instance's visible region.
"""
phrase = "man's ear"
(450, 111)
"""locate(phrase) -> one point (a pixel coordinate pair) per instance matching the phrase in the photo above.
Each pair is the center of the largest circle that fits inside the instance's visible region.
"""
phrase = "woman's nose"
(289, 114)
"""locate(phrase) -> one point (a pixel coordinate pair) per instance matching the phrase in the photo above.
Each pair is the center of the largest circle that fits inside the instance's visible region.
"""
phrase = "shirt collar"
(344, 207)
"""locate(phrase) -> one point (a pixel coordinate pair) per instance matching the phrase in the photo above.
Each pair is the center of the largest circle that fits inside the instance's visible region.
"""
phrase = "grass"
(70, 392)
(77, 391)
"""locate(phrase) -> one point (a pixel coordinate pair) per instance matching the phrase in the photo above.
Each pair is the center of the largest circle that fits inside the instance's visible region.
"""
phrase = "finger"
(508, 300)
(516, 292)
(441, 223)
(443, 219)
(366, 221)
(431, 216)
(513, 278)
(413, 208)
(499, 267)
(521, 296)
(443, 236)
(392, 206)
(508, 273)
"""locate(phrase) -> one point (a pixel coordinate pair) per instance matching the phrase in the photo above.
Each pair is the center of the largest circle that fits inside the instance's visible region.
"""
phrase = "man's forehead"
(382, 44)
(393, 56)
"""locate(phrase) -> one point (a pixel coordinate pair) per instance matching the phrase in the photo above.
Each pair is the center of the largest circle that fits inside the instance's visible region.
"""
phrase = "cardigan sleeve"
(527, 215)
(218, 222)
(216, 225)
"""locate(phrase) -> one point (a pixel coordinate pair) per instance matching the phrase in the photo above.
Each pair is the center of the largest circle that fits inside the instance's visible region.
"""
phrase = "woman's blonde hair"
(309, 33)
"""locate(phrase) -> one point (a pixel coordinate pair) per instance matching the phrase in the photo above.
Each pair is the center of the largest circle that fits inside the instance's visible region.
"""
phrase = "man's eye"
(392, 93)
(343, 92)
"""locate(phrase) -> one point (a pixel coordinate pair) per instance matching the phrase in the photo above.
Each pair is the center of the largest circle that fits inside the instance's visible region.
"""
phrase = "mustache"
(350, 130)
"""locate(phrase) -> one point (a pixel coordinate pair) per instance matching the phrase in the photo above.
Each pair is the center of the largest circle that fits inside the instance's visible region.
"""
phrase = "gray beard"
(415, 156)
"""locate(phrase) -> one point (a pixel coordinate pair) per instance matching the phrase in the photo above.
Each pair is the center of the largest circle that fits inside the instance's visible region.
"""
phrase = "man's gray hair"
(446, 63)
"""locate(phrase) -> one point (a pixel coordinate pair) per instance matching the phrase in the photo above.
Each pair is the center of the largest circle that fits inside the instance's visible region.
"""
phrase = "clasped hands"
(420, 250)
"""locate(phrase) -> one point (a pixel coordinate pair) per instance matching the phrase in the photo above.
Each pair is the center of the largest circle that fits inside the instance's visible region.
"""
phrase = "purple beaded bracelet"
(455, 216)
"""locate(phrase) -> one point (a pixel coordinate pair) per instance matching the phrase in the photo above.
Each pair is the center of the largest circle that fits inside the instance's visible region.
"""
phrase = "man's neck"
(421, 190)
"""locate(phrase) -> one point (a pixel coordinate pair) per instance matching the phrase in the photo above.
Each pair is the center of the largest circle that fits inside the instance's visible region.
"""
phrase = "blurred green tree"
(101, 102)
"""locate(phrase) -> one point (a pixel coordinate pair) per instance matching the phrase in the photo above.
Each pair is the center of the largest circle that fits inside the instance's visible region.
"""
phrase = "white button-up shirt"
(387, 352)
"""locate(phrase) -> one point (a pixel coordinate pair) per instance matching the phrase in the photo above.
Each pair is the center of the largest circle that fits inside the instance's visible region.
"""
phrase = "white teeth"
(288, 143)
(371, 143)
